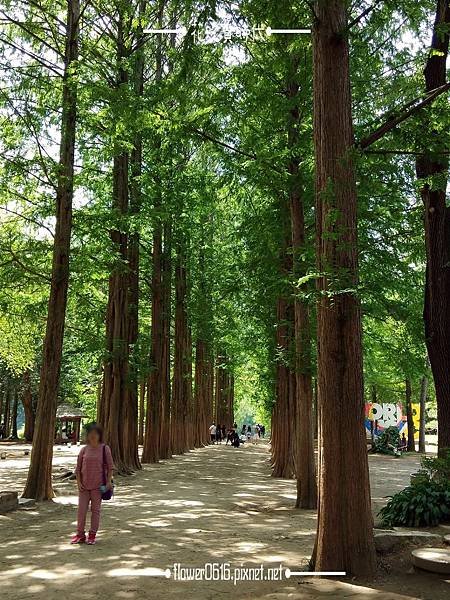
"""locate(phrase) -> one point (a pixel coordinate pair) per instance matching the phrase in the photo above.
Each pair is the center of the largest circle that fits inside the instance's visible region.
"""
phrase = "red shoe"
(78, 539)
(91, 538)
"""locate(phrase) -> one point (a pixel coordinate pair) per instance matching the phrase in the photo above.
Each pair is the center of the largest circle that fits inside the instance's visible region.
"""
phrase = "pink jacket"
(91, 468)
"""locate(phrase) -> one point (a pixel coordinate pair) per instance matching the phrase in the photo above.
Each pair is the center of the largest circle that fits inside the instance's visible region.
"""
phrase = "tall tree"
(28, 408)
(305, 467)
(432, 172)
(39, 481)
(409, 415)
(14, 409)
(342, 542)
(115, 408)
(423, 411)
(182, 390)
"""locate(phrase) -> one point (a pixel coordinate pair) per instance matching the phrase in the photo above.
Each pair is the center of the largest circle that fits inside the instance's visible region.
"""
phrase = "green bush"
(388, 442)
(436, 468)
(426, 501)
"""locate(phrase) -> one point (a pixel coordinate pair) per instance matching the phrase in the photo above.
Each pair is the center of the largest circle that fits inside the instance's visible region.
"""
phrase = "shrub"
(388, 442)
(426, 501)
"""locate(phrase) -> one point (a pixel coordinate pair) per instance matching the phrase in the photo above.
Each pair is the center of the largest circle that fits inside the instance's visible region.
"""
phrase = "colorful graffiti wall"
(379, 416)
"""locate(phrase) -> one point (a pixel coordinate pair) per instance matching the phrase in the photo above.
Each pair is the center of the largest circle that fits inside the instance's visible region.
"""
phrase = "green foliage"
(424, 503)
(387, 442)
(215, 155)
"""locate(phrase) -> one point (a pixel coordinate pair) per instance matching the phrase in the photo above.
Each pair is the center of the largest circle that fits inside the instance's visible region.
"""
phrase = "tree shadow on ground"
(213, 505)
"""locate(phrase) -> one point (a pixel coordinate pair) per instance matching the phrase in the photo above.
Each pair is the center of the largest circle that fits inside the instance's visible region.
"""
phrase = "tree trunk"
(283, 420)
(39, 481)
(224, 393)
(27, 401)
(343, 542)
(151, 452)
(115, 390)
(432, 171)
(316, 411)
(304, 452)
(131, 454)
(409, 416)
(423, 409)
(141, 413)
(119, 404)
(201, 395)
(285, 414)
(14, 412)
(7, 407)
(165, 433)
(156, 418)
(180, 400)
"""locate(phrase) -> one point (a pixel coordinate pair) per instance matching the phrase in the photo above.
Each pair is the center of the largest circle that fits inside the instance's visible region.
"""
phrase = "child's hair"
(95, 427)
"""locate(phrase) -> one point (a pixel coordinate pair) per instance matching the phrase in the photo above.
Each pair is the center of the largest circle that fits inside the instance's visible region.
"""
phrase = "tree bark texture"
(28, 408)
(39, 481)
(305, 467)
(423, 412)
(344, 541)
(432, 170)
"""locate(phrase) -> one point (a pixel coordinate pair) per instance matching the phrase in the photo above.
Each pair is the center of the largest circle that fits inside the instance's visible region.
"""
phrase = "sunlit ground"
(213, 505)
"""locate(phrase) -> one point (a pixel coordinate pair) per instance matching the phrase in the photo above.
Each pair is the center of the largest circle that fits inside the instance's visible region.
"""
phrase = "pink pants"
(95, 498)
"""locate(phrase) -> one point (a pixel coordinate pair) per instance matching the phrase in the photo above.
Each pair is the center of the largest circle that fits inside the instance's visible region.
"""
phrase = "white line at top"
(268, 31)
(181, 31)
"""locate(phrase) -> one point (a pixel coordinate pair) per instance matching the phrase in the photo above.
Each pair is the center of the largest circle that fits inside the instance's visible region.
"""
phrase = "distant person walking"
(212, 433)
(219, 434)
(94, 468)
(230, 436)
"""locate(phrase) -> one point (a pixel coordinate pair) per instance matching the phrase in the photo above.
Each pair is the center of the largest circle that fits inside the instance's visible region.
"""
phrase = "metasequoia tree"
(6, 412)
(15, 406)
(203, 392)
(423, 410)
(204, 367)
(343, 542)
(151, 452)
(305, 468)
(165, 433)
(432, 172)
(39, 481)
(118, 406)
(28, 408)
(284, 415)
(224, 393)
(182, 409)
(157, 437)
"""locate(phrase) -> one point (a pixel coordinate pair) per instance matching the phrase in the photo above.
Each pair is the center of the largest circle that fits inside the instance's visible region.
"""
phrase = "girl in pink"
(94, 467)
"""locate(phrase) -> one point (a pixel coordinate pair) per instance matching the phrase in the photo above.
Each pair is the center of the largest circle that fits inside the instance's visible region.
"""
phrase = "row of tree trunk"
(341, 543)
(12, 391)
(39, 481)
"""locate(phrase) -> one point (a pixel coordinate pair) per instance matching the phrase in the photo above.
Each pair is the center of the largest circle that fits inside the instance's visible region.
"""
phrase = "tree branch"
(393, 121)
(364, 13)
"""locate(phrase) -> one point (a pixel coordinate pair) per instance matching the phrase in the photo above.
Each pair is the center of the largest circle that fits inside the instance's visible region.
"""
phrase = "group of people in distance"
(248, 433)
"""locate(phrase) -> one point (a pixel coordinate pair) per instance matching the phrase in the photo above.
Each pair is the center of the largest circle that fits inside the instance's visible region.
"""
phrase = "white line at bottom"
(314, 573)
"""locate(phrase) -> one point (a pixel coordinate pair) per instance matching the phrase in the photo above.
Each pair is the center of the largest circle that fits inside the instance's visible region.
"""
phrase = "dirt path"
(214, 505)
